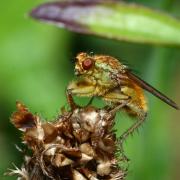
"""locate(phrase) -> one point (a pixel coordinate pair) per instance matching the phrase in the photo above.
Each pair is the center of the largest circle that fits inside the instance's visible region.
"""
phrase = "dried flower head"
(80, 144)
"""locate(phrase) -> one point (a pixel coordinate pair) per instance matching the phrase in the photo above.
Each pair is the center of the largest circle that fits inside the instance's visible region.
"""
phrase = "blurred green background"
(36, 66)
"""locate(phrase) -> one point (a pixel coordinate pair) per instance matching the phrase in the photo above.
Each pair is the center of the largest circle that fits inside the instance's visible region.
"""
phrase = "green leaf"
(112, 19)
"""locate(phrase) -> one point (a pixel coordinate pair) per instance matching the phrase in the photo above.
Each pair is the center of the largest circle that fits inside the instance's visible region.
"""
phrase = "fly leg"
(79, 88)
(136, 107)
(142, 116)
(125, 101)
(120, 100)
(119, 106)
(70, 100)
(90, 101)
(130, 131)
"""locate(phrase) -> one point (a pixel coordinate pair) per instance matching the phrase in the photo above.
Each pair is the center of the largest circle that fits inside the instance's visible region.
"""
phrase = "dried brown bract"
(79, 145)
(22, 118)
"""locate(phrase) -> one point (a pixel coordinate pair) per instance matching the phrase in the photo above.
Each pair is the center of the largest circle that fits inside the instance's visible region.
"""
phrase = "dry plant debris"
(79, 145)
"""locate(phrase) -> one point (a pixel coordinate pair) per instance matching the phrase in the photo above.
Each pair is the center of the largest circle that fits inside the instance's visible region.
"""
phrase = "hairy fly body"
(106, 77)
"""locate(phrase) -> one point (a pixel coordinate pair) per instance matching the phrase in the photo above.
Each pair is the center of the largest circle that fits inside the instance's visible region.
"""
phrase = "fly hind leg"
(132, 107)
(141, 118)
(137, 112)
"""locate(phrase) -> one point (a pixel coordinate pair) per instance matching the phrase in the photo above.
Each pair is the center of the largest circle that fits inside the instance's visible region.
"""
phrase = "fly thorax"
(103, 78)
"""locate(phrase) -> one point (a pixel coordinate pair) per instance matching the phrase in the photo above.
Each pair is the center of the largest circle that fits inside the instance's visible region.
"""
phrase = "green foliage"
(112, 19)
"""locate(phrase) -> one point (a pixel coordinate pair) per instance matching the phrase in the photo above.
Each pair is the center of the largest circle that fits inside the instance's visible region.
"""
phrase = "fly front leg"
(79, 88)
(70, 100)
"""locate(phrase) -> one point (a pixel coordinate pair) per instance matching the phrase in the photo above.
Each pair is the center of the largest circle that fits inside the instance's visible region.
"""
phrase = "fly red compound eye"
(87, 64)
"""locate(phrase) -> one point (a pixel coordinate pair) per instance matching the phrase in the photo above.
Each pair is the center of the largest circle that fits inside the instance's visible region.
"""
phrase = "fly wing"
(152, 90)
